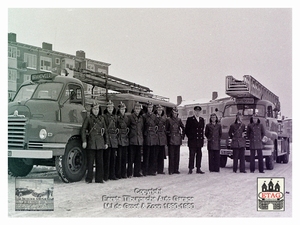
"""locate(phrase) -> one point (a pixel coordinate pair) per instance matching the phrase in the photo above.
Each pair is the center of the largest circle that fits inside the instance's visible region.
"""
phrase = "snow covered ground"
(224, 194)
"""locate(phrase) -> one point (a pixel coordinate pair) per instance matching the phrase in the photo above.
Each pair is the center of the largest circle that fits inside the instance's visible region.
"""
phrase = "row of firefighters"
(122, 146)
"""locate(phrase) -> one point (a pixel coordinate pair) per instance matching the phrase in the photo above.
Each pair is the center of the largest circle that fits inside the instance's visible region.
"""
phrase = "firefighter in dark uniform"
(255, 134)
(110, 118)
(194, 130)
(136, 126)
(162, 139)
(94, 138)
(175, 132)
(122, 125)
(150, 141)
(238, 143)
(213, 133)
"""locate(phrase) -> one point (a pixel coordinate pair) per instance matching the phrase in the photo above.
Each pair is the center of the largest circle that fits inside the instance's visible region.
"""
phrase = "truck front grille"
(35, 145)
(16, 132)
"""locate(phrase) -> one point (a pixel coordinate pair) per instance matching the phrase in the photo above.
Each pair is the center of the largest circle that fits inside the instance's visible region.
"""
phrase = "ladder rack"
(249, 87)
(108, 81)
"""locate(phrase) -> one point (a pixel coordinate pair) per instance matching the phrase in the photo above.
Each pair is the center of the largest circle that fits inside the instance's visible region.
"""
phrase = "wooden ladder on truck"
(249, 87)
(121, 86)
(109, 82)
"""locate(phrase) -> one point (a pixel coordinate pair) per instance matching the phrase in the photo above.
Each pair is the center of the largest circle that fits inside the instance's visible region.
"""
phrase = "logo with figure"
(270, 194)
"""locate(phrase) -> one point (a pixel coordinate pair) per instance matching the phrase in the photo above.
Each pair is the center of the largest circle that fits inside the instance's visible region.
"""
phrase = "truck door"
(72, 100)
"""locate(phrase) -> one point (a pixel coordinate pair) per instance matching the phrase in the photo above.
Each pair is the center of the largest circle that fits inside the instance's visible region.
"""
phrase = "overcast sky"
(186, 52)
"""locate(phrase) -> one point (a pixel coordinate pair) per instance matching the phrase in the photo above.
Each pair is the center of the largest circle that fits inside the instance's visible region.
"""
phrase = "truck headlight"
(43, 134)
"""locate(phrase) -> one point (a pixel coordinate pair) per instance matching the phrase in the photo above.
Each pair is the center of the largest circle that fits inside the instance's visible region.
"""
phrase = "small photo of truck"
(23, 191)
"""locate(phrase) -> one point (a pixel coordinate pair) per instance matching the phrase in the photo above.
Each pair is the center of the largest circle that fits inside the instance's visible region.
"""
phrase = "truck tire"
(270, 162)
(285, 158)
(71, 167)
(223, 161)
(17, 167)
(278, 159)
(270, 159)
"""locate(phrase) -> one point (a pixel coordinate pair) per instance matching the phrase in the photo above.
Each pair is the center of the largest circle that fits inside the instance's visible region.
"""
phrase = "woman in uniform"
(213, 133)
(238, 143)
(176, 132)
(110, 118)
(136, 127)
(162, 139)
(255, 134)
(123, 140)
(93, 136)
(150, 141)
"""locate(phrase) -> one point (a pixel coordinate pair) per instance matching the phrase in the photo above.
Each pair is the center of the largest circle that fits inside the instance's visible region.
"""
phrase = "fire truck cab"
(46, 115)
(44, 122)
(249, 98)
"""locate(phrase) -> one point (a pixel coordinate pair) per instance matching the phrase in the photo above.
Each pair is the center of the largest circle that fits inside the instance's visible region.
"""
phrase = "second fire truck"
(249, 97)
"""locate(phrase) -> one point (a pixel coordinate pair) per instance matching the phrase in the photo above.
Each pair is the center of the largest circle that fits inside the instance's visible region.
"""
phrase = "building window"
(30, 60)
(69, 66)
(12, 75)
(57, 61)
(18, 53)
(46, 63)
(101, 70)
(91, 67)
(26, 77)
(12, 52)
(204, 111)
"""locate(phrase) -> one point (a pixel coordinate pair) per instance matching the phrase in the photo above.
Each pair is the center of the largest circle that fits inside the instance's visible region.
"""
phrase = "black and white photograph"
(150, 112)
(34, 194)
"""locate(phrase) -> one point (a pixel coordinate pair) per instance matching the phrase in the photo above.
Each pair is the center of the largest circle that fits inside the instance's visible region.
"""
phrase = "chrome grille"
(35, 145)
(16, 132)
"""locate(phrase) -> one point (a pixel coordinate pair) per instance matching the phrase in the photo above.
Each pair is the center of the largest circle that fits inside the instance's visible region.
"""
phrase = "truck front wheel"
(17, 167)
(71, 167)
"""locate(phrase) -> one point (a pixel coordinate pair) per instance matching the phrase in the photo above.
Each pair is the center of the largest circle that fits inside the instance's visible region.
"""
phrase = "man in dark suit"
(194, 131)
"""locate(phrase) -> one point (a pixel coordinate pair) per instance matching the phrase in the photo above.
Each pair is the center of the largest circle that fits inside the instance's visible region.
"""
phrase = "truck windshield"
(49, 91)
(25, 92)
(245, 110)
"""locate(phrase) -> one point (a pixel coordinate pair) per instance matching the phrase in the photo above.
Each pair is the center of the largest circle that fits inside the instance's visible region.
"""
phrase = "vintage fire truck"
(46, 115)
(249, 97)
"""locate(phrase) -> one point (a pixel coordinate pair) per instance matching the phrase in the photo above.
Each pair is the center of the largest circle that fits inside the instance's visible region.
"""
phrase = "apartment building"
(24, 60)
